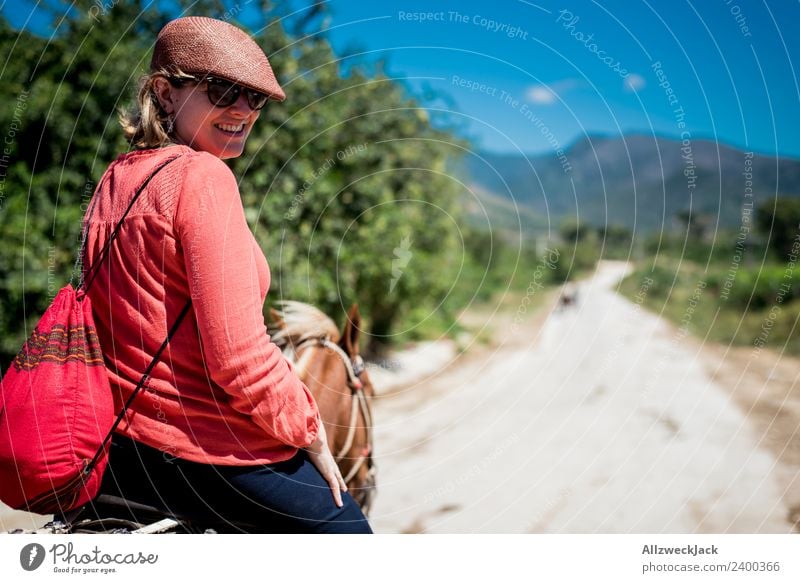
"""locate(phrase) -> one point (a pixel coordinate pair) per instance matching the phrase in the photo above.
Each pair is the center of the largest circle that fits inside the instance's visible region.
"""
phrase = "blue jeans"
(285, 497)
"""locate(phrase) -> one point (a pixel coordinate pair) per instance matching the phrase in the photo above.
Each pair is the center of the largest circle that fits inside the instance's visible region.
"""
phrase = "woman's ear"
(163, 91)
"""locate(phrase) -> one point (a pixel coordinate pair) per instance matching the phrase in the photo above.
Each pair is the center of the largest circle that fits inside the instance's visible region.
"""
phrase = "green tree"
(572, 230)
(345, 184)
(778, 220)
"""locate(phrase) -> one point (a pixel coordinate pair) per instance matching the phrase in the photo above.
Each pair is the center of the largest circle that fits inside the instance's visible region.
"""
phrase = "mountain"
(638, 181)
(496, 212)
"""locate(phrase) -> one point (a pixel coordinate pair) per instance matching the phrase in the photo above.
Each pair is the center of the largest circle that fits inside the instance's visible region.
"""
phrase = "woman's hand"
(321, 457)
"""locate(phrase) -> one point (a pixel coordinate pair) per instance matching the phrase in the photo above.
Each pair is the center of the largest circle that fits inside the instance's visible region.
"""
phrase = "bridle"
(354, 367)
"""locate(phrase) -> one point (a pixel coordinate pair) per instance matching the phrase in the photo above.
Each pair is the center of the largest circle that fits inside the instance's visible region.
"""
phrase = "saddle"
(110, 514)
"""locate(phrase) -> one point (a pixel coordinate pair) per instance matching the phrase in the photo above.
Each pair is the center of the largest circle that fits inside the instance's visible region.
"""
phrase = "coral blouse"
(221, 393)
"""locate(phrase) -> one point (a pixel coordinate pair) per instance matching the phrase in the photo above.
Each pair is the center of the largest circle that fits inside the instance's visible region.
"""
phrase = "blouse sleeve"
(223, 281)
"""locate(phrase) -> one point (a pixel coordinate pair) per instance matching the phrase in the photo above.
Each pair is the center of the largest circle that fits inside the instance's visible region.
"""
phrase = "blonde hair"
(146, 126)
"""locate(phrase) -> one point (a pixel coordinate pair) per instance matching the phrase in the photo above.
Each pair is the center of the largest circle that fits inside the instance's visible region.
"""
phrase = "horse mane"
(302, 322)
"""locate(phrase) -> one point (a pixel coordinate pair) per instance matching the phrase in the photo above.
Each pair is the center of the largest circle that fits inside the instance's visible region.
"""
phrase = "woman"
(224, 430)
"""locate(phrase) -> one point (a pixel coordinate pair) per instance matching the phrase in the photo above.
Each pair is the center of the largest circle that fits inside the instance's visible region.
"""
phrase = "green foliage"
(756, 306)
(742, 246)
(756, 288)
(694, 225)
(748, 280)
(572, 230)
(575, 259)
(345, 184)
(616, 235)
(779, 222)
(349, 180)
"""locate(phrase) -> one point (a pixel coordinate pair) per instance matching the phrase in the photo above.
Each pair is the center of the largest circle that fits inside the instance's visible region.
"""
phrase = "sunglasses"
(224, 93)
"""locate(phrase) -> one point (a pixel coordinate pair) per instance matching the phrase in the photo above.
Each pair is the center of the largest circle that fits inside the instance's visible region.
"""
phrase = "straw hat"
(200, 45)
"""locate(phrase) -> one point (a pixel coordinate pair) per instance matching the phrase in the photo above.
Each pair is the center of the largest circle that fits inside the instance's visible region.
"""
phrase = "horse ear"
(352, 329)
(277, 321)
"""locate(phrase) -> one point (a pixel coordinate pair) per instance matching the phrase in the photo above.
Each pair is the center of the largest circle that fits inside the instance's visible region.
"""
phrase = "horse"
(331, 367)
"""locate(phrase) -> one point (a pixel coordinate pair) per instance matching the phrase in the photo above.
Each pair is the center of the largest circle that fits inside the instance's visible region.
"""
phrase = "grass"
(756, 306)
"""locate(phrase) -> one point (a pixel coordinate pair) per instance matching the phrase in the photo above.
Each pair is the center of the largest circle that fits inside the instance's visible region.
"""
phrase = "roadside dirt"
(766, 386)
(599, 418)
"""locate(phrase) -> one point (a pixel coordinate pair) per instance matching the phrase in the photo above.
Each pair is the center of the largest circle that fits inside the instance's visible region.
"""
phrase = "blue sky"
(529, 76)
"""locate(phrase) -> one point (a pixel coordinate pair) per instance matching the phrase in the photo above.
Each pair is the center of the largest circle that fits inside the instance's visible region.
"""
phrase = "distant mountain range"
(637, 181)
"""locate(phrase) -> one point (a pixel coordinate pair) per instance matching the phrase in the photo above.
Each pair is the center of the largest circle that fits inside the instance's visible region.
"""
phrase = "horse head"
(362, 465)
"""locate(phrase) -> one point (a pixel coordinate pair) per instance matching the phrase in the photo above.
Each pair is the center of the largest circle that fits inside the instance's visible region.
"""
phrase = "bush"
(760, 306)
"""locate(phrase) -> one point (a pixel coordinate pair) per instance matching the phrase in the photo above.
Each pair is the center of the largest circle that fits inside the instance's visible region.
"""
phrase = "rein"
(354, 369)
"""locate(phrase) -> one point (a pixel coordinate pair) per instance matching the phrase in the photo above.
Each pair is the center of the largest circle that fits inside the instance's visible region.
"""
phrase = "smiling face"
(203, 126)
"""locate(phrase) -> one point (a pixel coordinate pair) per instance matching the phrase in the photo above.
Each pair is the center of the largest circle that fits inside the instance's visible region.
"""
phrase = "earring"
(170, 126)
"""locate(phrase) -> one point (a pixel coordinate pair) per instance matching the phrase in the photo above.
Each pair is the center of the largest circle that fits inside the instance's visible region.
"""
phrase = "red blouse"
(221, 393)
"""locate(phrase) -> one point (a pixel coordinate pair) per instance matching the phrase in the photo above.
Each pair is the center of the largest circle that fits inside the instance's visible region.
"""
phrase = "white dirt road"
(601, 420)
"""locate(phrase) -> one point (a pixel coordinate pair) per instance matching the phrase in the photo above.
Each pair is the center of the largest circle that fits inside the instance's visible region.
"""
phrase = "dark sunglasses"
(224, 93)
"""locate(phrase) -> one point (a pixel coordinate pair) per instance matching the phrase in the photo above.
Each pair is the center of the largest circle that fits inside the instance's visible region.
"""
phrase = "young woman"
(223, 430)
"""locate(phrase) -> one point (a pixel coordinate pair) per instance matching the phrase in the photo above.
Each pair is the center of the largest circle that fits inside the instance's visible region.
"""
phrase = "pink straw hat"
(200, 45)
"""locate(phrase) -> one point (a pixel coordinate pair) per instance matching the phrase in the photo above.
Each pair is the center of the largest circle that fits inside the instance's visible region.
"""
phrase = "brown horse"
(330, 366)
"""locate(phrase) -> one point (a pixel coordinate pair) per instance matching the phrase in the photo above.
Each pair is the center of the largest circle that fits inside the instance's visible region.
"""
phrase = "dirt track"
(600, 419)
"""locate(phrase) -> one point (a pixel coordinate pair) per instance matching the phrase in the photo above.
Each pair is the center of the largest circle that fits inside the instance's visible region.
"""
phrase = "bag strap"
(90, 466)
(94, 268)
(87, 470)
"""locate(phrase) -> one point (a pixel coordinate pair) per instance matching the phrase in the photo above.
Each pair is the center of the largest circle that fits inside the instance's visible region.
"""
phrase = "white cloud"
(541, 94)
(547, 94)
(634, 82)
